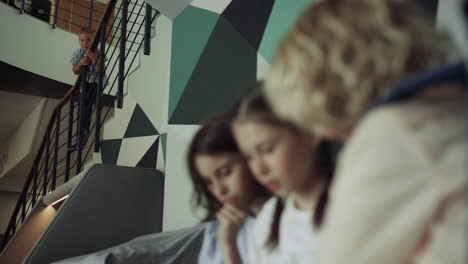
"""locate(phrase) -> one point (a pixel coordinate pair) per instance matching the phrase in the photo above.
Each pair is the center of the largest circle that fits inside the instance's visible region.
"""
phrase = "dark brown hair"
(254, 106)
(213, 138)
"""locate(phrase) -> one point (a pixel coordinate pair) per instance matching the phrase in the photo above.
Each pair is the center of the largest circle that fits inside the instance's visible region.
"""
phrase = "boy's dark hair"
(86, 30)
(213, 138)
(254, 106)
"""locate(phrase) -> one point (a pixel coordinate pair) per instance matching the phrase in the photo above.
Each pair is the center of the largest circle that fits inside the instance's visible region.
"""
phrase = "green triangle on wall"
(283, 16)
(190, 32)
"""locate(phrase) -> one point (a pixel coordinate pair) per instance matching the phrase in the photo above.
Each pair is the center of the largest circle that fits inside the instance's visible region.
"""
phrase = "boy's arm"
(77, 68)
(94, 59)
(82, 62)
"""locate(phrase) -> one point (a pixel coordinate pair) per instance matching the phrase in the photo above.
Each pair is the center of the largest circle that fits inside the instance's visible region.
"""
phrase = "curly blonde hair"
(342, 54)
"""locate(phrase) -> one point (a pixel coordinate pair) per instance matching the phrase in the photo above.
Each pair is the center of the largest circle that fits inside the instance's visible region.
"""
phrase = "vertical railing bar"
(34, 183)
(69, 136)
(56, 13)
(147, 47)
(135, 37)
(99, 91)
(23, 206)
(120, 39)
(57, 138)
(79, 137)
(22, 7)
(90, 17)
(110, 31)
(123, 40)
(115, 48)
(47, 157)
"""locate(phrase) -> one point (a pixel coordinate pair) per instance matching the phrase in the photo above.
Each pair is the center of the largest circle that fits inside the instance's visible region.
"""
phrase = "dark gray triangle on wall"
(250, 18)
(140, 125)
(151, 156)
(110, 150)
(226, 67)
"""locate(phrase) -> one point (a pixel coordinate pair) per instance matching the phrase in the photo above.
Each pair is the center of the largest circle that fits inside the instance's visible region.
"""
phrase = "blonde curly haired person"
(398, 193)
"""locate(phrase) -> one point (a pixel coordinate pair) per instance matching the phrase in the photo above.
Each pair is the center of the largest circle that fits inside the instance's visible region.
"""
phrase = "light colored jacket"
(398, 195)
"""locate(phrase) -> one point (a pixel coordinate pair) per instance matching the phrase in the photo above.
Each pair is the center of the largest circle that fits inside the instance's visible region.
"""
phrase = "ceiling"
(14, 108)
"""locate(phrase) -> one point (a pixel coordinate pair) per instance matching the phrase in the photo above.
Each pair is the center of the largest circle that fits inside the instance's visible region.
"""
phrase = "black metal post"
(57, 136)
(34, 191)
(23, 206)
(56, 13)
(13, 230)
(123, 40)
(147, 47)
(90, 17)
(46, 165)
(22, 7)
(81, 121)
(100, 89)
(70, 134)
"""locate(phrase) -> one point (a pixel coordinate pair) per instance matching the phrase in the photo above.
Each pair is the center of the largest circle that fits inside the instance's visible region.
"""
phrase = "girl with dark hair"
(295, 166)
(224, 186)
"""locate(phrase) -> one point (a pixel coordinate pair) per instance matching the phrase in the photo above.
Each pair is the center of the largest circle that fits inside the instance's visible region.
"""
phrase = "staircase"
(124, 27)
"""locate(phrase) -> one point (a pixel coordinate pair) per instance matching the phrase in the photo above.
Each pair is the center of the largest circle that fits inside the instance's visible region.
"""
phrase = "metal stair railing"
(64, 148)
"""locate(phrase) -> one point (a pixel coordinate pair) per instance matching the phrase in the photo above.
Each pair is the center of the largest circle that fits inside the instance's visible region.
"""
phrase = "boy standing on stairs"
(83, 57)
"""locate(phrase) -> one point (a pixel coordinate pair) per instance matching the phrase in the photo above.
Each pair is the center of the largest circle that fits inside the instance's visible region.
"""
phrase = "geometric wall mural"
(216, 6)
(217, 48)
(283, 16)
(131, 139)
(110, 150)
(229, 44)
(150, 158)
(140, 125)
(250, 18)
(210, 77)
(135, 150)
(226, 66)
(194, 26)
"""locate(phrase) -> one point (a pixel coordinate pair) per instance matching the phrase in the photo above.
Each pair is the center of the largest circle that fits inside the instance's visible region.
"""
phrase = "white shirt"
(298, 240)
